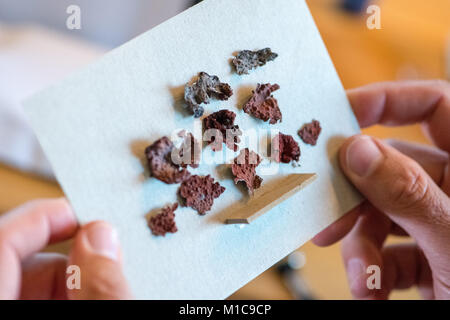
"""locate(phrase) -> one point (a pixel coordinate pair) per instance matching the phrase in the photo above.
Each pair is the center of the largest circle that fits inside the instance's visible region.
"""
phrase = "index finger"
(406, 102)
(29, 229)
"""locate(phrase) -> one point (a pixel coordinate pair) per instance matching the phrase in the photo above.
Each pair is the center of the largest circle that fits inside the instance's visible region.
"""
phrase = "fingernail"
(363, 156)
(103, 240)
(356, 277)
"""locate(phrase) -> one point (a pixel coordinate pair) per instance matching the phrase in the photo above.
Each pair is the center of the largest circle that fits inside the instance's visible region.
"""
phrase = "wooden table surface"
(410, 45)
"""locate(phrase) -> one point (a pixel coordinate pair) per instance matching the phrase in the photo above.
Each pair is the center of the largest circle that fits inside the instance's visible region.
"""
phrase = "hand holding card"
(96, 124)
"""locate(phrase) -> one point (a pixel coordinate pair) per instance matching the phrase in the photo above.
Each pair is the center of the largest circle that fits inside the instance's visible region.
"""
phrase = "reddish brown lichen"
(263, 105)
(189, 152)
(160, 164)
(244, 169)
(285, 149)
(247, 60)
(206, 88)
(219, 127)
(310, 132)
(164, 221)
(199, 192)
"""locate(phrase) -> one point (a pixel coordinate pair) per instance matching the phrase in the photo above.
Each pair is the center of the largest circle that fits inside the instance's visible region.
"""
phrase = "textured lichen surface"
(160, 164)
(247, 60)
(220, 128)
(199, 192)
(263, 105)
(244, 169)
(310, 132)
(164, 221)
(203, 90)
(285, 149)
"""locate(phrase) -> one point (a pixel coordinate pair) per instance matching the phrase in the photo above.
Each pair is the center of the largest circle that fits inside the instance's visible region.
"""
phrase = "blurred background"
(37, 49)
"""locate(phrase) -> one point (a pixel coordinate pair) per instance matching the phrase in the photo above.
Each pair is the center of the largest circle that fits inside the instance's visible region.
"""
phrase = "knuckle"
(411, 188)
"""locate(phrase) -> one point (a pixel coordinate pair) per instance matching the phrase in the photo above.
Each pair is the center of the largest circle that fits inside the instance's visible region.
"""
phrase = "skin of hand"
(27, 273)
(407, 188)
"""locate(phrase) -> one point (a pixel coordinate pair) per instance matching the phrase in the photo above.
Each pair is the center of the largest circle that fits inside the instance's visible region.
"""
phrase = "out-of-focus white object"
(109, 22)
(32, 58)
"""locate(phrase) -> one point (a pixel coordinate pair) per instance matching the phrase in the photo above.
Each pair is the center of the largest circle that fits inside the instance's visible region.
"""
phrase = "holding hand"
(407, 189)
(27, 274)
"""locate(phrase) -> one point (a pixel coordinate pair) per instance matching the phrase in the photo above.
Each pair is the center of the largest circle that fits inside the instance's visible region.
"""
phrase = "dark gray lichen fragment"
(201, 92)
(247, 60)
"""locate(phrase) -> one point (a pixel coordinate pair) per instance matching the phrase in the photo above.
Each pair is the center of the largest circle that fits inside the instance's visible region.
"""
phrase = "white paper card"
(95, 125)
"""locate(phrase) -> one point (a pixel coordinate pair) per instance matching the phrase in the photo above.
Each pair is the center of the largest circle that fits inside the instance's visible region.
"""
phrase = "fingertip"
(103, 239)
(357, 278)
(367, 102)
(345, 146)
(338, 230)
(97, 252)
(65, 206)
(64, 218)
(360, 156)
(55, 218)
(321, 239)
(99, 238)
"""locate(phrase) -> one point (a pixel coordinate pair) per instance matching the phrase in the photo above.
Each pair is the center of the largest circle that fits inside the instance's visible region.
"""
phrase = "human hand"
(27, 274)
(407, 189)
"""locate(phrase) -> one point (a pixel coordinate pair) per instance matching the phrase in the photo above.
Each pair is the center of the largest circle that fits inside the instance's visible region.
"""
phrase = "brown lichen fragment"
(285, 149)
(244, 169)
(206, 88)
(199, 192)
(247, 60)
(310, 132)
(263, 105)
(189, 152)
(160, 164)
(222, 129)
(164, 221)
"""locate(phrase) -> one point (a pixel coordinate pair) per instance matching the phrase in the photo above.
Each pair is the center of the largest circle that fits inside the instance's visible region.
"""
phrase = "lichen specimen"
(199, 192)
(189, 152)
(244, 169)
(164, 221)
(285, 149)
(223, 130)
(160, 164)
(263, 105)
(247, 60)
(310, 132)
(201, 92)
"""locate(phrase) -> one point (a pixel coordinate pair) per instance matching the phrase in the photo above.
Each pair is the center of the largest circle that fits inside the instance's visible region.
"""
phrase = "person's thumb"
(398, 186)
(97, 253)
